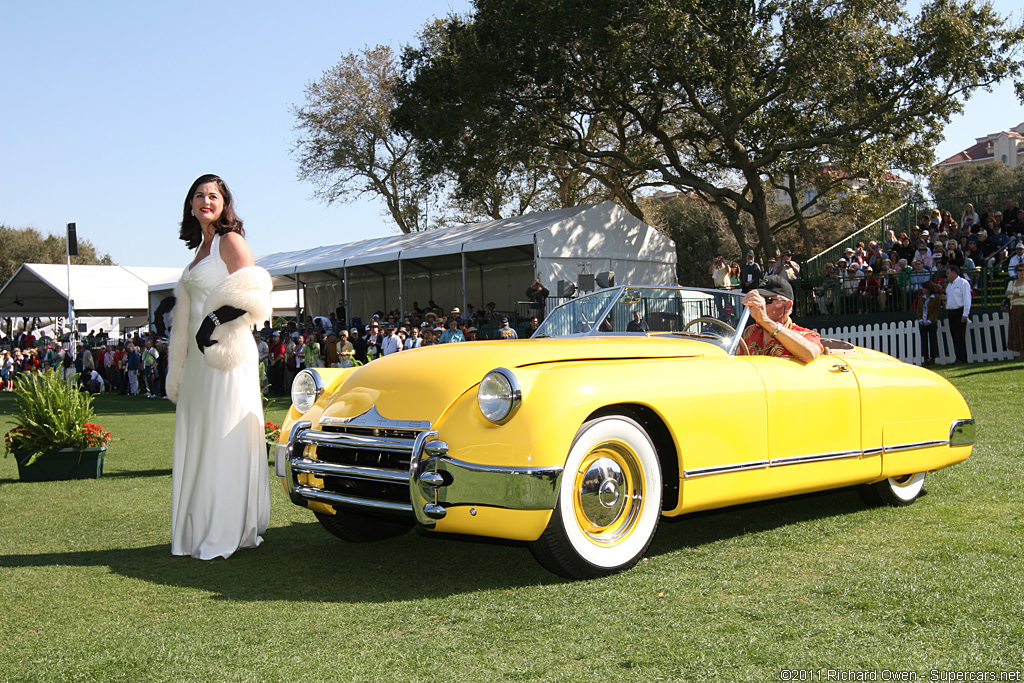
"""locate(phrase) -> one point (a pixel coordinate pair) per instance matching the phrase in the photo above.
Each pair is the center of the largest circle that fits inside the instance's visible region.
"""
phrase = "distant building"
(1006, 146)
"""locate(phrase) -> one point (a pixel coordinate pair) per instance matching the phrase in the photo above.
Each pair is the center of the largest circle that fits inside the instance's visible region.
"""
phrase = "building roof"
(982, 149)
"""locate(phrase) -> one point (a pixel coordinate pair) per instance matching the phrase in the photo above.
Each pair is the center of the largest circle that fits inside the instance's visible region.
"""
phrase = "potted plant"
(55, 437)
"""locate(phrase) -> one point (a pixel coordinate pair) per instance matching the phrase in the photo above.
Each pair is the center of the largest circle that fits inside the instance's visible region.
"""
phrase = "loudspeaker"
(72, 240)
(606, 279)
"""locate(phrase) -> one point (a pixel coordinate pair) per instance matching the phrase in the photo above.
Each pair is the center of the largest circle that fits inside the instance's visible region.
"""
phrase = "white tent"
(41, 290)
(477, 262)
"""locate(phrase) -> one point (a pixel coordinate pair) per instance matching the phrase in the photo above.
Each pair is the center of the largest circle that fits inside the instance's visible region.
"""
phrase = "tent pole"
(298, 310)
(348, 304)
(401, 294)
(463, 254)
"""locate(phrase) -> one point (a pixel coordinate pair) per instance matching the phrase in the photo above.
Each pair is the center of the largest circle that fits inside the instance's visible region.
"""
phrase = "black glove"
(222, 315)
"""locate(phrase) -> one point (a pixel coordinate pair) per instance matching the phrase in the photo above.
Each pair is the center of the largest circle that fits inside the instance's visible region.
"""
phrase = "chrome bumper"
(434, 481)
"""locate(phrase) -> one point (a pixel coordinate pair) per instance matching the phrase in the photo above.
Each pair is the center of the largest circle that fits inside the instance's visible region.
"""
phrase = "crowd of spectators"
(131, 366)
(333, 341)
(888, 275)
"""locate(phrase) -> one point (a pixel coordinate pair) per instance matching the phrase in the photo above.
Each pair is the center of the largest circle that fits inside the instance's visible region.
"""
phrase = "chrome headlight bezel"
(306, 389)
(499, 396)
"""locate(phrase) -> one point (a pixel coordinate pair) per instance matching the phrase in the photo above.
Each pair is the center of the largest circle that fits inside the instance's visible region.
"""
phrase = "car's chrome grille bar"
(357, 441)
(321, 469)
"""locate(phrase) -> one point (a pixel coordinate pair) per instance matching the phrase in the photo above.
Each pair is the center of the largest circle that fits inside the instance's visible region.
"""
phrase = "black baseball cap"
(775, 285)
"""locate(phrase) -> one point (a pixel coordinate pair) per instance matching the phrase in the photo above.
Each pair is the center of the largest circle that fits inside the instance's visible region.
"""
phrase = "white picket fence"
(986, 339)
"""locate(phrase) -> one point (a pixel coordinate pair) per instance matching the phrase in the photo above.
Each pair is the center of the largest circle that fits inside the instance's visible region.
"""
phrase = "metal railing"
(875, 230)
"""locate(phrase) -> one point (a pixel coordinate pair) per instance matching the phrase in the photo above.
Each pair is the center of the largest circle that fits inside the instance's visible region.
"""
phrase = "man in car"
(774, 332)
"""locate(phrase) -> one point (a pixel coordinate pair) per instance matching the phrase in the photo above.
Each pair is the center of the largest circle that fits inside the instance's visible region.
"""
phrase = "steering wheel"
(720, 323)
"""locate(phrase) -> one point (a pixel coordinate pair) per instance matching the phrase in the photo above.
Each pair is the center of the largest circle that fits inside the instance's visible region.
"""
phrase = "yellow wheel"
(609, 502)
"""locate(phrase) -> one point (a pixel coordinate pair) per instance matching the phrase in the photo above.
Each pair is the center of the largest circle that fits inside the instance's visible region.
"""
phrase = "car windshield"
(710, 315)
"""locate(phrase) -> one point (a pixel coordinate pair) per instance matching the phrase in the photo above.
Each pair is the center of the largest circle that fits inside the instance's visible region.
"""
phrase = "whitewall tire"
(894, 491)
(609, 501)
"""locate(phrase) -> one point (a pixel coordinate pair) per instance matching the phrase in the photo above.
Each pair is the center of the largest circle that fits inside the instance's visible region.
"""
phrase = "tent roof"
(604, 229)
(518, 231)
(41, 289)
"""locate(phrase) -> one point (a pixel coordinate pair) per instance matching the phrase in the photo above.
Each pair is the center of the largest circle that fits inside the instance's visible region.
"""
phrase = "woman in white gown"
(220, 490)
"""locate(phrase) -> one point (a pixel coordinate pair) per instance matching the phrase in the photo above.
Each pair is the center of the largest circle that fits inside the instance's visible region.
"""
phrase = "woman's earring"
(192, 212)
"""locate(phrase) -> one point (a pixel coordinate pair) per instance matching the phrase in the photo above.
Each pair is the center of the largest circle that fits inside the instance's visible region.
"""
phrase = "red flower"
(95, 436)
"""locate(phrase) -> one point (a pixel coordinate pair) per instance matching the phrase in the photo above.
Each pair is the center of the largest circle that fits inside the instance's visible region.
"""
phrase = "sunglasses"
(773, 299)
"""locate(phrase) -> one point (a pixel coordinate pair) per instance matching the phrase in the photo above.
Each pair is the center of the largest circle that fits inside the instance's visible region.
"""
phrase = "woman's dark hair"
(191, 232)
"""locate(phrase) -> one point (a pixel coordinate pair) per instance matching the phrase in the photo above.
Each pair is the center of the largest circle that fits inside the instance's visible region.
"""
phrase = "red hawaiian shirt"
(762, 343)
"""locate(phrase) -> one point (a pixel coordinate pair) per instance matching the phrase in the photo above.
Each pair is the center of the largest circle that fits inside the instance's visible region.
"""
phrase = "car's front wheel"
(894, 491)
(609, 502)
(356, 527)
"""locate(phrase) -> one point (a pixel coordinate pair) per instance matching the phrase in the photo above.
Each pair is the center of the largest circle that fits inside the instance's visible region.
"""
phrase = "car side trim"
(723, 469)
(961, 434)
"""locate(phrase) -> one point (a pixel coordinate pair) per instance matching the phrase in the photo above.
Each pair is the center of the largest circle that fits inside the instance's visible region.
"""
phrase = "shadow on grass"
(302, 562)
(135, 474)
(1009, 367)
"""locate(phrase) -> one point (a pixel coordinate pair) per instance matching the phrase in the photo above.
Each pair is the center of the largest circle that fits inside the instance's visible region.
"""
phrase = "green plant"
(52, 413)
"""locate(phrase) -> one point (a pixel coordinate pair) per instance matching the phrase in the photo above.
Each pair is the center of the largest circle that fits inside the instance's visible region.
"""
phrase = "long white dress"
(220, 489)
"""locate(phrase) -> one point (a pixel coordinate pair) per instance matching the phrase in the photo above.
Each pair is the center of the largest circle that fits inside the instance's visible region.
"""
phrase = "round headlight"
(499, 396)
(306, 389)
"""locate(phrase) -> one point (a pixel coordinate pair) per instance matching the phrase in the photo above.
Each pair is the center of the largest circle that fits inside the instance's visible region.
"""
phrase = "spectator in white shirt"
(391, 343)
(958, 307)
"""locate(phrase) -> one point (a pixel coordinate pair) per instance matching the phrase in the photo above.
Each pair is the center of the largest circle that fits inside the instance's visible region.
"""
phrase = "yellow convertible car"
(627, 404)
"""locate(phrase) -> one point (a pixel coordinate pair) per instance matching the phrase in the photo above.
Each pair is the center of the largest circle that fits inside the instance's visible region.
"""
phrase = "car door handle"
(839, 367)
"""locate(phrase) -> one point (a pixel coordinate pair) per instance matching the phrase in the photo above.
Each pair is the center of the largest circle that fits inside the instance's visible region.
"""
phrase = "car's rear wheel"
(609, 502)
(356, 527)
(894, 491)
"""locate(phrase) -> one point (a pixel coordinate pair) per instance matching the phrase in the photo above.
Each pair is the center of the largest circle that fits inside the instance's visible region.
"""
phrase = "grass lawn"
(90, 592)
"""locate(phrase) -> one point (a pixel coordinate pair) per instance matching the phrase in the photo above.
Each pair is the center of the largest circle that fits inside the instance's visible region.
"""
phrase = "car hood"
(420, 384)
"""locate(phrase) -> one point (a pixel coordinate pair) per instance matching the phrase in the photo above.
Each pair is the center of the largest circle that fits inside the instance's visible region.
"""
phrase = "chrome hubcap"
(602, 492)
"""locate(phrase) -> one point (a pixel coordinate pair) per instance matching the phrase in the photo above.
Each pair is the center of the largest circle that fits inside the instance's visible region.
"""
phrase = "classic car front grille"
(368, 455)
(364, 465)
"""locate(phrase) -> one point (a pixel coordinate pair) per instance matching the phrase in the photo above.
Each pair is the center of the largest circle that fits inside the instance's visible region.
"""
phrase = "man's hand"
(757, 306)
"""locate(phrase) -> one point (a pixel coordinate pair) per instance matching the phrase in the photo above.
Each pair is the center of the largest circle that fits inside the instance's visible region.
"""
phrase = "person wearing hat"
(774, 332)
(750, 273)
(391, 343)
(787, 267)
(456, 315)
(1017, 260)
(505, 331)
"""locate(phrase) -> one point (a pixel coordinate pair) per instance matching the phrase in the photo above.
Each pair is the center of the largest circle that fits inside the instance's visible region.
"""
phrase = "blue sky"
(110, 110)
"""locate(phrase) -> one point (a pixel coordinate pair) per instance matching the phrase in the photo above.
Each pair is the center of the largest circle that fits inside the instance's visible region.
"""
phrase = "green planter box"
(62, 463)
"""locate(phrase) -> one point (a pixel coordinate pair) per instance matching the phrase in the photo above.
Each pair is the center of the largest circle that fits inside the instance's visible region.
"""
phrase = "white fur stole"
(247, 288)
